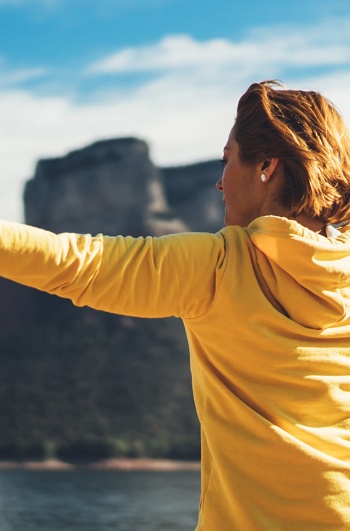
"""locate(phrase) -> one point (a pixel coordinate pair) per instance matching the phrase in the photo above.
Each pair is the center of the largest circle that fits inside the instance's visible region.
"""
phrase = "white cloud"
(175, 126)
(173, 52)
(13, 77)
(270, 48)
(184, 112)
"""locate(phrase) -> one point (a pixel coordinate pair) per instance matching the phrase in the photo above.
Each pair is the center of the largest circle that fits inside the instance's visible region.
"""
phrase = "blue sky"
(168, 71)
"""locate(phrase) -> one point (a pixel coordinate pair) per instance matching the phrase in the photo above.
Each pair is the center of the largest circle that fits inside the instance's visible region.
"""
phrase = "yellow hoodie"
(267, 315)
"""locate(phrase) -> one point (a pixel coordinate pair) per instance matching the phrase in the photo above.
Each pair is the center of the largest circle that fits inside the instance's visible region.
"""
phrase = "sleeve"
(175, 275)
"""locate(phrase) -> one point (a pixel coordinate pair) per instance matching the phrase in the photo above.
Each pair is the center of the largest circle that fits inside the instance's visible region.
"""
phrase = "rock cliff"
(78, 382)
(112, 186)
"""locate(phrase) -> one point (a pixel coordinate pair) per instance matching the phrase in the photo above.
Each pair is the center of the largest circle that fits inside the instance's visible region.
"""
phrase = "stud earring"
(263, 178)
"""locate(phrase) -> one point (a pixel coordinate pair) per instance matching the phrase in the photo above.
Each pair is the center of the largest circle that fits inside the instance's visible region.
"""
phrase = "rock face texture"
(192, 196)
(69, 374)
(113, 187)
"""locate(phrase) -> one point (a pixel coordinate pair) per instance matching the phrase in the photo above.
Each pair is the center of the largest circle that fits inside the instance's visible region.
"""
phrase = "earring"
(263, 178)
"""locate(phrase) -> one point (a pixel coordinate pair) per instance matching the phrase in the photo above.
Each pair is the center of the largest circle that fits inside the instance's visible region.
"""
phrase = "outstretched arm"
(144, 277)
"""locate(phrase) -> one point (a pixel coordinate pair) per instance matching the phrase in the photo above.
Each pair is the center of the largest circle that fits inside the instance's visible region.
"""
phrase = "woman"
(266, 307)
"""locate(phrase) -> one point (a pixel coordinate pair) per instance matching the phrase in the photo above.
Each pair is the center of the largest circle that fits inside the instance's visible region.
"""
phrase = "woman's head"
(306, 133)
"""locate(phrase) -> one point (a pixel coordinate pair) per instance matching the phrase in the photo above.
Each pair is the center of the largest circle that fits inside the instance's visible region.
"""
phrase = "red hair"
(309, 137)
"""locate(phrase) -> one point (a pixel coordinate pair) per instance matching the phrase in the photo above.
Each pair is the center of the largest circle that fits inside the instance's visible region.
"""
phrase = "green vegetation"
(94, 387)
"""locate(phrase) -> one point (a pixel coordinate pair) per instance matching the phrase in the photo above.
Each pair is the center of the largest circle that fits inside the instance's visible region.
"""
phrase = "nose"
(219, 185)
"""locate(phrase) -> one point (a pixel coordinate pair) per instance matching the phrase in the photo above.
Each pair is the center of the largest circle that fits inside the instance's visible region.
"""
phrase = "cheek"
(227, 178)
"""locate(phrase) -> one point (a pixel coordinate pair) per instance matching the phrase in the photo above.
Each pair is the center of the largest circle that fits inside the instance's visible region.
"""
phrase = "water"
(89, 500)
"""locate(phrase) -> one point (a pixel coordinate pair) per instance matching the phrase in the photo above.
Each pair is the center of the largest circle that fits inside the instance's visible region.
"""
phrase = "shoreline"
(137, 464)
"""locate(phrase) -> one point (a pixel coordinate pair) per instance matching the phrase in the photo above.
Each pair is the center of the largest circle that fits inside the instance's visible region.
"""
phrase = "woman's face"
(243, 192)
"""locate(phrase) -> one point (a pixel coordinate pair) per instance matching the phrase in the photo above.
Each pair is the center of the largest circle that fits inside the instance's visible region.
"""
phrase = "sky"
(168, 71)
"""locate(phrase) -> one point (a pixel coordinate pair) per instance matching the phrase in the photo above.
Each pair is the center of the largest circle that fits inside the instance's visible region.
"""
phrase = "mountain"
(81, 384)
(112, 186)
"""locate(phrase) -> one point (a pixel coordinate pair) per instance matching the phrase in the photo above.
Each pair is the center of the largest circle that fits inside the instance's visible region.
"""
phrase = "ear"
(268, 166)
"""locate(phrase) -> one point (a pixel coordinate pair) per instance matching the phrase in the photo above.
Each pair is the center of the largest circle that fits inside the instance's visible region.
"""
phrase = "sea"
(98, 500)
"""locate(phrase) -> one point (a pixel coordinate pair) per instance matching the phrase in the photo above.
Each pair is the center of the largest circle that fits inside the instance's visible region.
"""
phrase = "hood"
(306, 273)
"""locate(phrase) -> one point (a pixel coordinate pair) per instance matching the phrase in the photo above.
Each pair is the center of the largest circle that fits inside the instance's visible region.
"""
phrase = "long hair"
(307, 134)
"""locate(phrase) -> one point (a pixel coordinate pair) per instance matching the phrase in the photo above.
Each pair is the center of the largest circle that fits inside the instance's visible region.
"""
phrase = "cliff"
(112, 186)
(81, 384)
